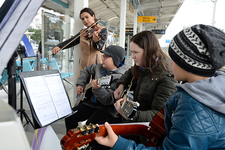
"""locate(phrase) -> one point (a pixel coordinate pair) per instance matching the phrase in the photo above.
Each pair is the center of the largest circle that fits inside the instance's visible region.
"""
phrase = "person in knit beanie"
(96, 99)
(199, 50)
(195, 113)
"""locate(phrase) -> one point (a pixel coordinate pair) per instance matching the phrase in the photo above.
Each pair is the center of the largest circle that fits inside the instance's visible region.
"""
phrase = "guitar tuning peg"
(77, 128)
(97, 128)
(94, 128)
(91, 129)
(88, 127)
(84, 130)
(74, 130)
(84, 147)
(88, 147)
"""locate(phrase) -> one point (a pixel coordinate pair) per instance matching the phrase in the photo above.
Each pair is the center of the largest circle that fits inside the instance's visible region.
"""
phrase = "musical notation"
(48, 97)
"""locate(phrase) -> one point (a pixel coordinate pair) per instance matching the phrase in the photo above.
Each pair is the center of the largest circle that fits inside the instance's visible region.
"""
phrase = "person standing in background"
(91, 46)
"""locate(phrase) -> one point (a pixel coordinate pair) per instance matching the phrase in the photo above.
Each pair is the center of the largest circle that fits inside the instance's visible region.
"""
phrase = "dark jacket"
(98, 45)
(102, 98)
(189, 123)
(90, 50)
(150, 93)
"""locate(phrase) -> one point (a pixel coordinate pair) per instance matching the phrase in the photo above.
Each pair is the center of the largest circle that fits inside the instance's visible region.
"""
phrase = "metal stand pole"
(22, 110)
(11, 67)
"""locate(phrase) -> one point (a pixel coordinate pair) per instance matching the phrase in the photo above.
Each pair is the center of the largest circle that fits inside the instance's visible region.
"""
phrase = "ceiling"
(109, 11)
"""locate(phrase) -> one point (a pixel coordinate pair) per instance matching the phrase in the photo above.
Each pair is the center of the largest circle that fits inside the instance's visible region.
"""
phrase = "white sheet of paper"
(48, 97)
(41, 99)
(58, 94)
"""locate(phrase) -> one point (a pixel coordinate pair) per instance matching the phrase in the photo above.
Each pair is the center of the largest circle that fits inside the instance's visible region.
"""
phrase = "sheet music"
(58, 94)
(41, 99)
(48, 97)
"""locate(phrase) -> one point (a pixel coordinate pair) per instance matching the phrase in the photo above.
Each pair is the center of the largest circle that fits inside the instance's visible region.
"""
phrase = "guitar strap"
(131, 83)
(125, 95)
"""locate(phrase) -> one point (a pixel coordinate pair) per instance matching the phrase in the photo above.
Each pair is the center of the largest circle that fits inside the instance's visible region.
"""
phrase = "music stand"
(21, 52)
(46, 95)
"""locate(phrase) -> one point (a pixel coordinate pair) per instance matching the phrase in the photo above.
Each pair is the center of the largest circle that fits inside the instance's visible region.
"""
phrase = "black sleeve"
(75, 42)
(99, 45)
(106, 96)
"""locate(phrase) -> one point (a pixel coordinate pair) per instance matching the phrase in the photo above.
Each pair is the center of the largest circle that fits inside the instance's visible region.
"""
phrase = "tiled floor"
(58, 127)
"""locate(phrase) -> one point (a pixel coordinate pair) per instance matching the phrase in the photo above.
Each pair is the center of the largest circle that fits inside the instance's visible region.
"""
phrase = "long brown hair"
(154, 58)
(88, 10)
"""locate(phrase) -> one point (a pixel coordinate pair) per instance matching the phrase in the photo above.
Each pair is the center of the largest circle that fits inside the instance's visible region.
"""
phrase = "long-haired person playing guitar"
(91, 44)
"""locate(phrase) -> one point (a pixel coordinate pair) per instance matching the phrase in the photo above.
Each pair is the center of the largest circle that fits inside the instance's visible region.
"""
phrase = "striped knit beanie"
(199, 49)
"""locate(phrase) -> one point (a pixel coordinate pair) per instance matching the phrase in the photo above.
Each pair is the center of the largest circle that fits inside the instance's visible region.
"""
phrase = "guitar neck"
(88, 86)
(154, 132)
(74, 140)
(127, 129)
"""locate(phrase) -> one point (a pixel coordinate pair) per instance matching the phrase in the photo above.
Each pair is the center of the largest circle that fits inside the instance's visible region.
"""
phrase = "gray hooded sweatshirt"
(210, 92)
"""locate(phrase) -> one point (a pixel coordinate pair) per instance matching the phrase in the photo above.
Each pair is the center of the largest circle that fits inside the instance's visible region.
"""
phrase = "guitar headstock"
(105, 80)
(129, 107)
(79, 138)
(87, 95)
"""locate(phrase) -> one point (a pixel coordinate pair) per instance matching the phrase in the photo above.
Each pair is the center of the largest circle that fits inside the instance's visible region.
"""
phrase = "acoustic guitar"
(128, 106)
(79, 138)
(86, 94)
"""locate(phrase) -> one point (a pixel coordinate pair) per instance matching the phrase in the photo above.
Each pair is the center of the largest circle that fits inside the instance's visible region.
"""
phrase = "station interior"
(58, 20)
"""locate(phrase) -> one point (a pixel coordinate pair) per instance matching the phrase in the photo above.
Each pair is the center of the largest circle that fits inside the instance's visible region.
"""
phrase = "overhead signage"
(129, 29)
(146, 19)
(159, 31)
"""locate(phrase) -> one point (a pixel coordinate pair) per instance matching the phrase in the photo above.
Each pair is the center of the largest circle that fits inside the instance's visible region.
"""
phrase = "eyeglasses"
(104, 57)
